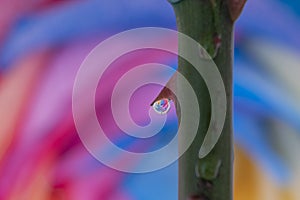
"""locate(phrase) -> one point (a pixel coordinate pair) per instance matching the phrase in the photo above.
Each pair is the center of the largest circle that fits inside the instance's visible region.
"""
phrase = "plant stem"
(209, 23)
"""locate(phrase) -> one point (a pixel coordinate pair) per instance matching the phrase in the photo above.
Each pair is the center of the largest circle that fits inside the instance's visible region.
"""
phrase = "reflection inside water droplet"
(162, 106)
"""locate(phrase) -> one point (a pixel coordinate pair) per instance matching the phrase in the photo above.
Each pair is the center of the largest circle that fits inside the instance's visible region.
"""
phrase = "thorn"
(203, 53)
(166, 92)
(217, 42)
(235, 8)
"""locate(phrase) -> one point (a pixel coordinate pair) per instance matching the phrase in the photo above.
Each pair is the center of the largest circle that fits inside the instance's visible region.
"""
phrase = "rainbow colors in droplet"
(162, 106)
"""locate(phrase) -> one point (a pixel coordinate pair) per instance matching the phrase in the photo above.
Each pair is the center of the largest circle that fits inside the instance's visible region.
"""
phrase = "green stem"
(209, 23)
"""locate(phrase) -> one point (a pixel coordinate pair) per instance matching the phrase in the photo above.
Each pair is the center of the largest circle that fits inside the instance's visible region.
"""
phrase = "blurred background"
(42, 45)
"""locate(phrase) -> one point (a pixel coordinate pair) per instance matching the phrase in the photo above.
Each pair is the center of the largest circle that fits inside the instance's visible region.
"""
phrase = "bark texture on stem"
(208, 22)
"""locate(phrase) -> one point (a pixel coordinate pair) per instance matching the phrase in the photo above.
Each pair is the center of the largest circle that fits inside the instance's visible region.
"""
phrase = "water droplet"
(162, 106)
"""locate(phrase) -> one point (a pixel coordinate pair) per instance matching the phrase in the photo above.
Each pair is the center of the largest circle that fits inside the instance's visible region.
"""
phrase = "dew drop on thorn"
(162, 106)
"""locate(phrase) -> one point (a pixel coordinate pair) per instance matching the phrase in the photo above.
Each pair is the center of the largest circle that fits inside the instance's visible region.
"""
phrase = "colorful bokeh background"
(43, 43)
